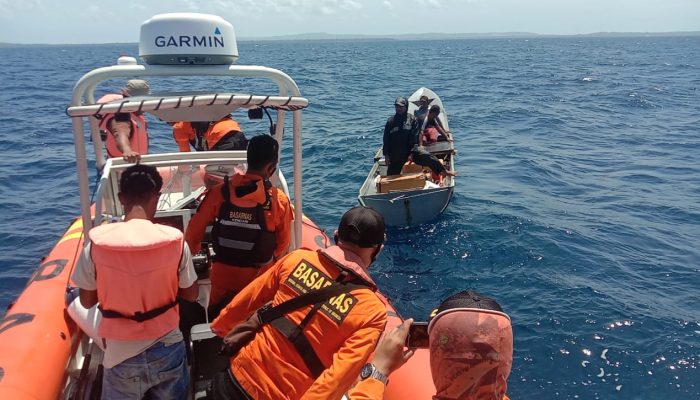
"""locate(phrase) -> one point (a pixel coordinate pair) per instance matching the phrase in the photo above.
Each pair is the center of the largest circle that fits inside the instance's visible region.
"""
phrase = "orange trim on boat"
(36, 335)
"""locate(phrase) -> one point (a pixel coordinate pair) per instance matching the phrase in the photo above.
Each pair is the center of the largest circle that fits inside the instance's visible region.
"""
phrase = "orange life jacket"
(138, 138)
(185, 134)
(219, 130)
(136, 264)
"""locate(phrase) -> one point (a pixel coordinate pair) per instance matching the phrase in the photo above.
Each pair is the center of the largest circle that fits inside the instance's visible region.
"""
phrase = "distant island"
(457, 36)
(417, 36)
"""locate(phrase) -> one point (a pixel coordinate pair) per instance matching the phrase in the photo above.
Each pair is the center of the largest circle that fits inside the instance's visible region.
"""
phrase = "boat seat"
(440, 148)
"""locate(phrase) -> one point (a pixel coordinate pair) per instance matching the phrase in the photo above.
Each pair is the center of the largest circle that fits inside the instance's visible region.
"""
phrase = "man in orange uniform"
(225, 134)
(340, 336)
(471, 352)
(252, 222)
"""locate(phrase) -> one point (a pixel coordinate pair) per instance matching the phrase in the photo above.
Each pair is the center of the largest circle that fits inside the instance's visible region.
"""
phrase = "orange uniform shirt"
(226, 278)
(343, 333)
(184, 133)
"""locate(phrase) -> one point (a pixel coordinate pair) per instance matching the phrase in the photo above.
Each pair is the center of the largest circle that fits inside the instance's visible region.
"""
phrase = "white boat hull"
(409, 208)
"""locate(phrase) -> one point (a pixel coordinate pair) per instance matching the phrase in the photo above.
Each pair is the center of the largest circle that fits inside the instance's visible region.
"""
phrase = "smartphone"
(418, 336)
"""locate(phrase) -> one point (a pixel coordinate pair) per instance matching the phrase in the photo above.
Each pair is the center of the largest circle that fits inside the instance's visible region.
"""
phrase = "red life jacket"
(136, 264)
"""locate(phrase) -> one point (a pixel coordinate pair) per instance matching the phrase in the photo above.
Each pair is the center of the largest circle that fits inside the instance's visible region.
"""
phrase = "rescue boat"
(44, 354)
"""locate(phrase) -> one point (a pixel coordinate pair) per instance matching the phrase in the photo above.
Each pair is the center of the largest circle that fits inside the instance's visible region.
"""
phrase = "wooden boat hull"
(409, 208)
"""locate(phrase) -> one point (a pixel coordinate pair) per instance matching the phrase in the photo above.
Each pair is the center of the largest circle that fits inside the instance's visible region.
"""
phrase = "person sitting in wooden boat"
(252, 222)
(136, 269)
(126, 134)
(471, 352)
(420, 156)
(313, 352)
(224, 134)
(422, 110)
(433, 131)
(400, 135)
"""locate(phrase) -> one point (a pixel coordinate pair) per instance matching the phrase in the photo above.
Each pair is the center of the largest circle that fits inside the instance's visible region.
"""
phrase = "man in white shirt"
(135, 270)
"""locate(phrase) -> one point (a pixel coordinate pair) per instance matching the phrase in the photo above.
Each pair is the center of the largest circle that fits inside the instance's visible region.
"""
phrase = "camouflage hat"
(136, 87)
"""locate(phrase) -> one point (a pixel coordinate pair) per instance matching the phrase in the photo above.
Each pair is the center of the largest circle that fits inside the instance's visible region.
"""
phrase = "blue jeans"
(160, 370)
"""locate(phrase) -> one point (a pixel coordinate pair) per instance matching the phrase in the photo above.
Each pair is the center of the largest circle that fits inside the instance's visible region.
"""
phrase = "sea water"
(576, 206)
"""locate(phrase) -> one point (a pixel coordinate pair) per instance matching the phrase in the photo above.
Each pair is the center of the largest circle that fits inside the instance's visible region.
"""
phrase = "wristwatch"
(369, 370)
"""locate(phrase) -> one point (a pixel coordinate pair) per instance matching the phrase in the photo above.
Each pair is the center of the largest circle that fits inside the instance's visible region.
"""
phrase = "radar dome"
(187, 39)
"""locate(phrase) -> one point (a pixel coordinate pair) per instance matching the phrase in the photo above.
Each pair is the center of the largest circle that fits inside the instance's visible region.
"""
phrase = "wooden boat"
(414, 197)
(44, 354)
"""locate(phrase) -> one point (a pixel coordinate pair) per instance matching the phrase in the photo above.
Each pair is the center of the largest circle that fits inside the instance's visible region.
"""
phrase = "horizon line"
(407, 36)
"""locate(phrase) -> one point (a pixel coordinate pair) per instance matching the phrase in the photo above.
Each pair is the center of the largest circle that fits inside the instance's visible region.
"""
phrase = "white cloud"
(351, 5)
(387, 4)
(192, 5)
(11, 8)
(137, 6)
(298, 8)
(430, 3)
(95, 11)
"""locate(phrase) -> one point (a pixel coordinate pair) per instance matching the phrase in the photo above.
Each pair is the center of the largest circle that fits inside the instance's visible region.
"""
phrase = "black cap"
(362, 226)
(401, 101)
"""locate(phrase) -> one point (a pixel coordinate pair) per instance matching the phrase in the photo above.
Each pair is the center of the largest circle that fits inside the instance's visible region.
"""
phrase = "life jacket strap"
(301, 343)
(139, 316)
(275, 316)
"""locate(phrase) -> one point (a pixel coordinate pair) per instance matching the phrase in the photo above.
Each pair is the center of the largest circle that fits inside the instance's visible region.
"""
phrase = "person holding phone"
(464, 321)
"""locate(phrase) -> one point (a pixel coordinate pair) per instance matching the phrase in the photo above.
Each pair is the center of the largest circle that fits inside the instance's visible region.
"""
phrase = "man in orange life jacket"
(252, 222)
(333, 343)
(471, 352)
(224, 134)
(127, 134)
(136, 269)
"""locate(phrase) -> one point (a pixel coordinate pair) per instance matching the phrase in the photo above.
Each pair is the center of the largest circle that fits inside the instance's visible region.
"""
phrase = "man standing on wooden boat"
(136, 269)
(400, 135)
(252, 222)
(315, 351)
(127, 134)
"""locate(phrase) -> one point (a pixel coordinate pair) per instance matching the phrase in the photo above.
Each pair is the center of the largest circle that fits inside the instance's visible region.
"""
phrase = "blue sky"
(82, 21)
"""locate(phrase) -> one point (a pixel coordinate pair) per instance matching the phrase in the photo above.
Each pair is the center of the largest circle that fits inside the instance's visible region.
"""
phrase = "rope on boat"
(403, 197)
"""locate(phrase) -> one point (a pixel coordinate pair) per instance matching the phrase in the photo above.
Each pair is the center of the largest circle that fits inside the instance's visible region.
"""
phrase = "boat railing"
(106, 200)
(173, 107)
